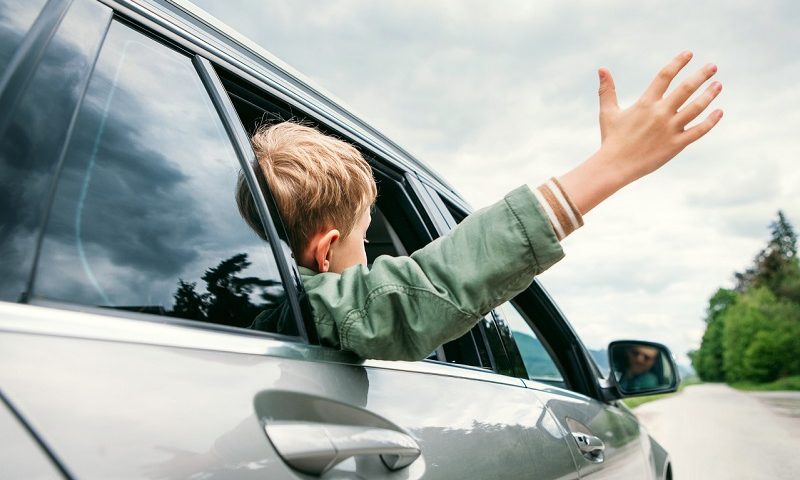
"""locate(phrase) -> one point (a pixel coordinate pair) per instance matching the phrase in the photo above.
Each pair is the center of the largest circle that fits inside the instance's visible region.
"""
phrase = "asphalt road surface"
(715, 431)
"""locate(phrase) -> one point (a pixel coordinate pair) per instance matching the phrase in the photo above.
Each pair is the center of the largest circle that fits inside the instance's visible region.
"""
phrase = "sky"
(495, 94)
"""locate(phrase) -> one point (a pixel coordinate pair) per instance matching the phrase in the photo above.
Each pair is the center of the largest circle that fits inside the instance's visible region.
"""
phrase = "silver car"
(129, 281)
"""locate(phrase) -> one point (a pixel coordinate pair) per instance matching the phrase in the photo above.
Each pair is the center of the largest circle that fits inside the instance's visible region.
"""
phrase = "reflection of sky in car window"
(147, 192)
(15, 19)
(31, 140)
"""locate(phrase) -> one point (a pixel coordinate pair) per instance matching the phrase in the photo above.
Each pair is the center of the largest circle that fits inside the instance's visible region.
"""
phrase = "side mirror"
(642, 368)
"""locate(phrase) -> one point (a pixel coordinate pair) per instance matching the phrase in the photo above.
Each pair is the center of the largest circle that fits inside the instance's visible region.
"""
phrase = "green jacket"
(403, 308)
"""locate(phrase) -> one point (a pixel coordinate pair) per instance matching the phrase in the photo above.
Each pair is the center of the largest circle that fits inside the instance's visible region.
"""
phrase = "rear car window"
(144, 216)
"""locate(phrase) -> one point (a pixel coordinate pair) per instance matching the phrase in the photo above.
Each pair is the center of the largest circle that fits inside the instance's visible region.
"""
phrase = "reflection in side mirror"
(642, 367)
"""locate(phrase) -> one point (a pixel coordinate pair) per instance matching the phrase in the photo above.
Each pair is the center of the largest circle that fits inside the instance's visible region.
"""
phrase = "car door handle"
(589, 444)
(315, 448)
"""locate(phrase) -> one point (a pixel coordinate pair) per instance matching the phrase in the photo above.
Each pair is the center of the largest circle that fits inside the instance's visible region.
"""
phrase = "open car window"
(399, 223)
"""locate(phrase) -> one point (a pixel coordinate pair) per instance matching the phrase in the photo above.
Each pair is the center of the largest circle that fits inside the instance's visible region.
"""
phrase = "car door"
(590, 422)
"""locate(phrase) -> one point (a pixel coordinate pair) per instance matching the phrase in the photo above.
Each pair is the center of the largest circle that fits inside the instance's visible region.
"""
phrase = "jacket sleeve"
(402, 308)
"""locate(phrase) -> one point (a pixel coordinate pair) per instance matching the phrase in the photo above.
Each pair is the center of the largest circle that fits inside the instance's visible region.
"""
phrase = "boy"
(402, 308)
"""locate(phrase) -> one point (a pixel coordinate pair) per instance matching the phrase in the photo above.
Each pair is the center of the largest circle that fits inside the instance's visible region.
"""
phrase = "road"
(715, 431)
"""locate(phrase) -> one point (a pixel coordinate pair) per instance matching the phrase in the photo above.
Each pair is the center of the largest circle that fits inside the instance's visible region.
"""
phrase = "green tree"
(775, 349)
(742, 322)
(753, 332)
(776, 266)
(707, 361)
(761, 341)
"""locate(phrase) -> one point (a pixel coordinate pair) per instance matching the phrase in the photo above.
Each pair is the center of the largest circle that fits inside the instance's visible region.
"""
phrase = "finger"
(692, 134)
(698, 105)
(607, 91)
(660, 84)
(687, 88)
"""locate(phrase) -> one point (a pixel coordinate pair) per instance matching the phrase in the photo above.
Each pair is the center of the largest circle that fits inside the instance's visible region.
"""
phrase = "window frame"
(389, 176)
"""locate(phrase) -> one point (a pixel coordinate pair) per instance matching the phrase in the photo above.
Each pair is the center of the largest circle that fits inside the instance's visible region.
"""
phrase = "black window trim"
(264, 201)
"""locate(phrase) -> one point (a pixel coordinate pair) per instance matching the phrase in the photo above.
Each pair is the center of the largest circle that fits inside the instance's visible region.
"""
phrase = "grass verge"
(786, 383)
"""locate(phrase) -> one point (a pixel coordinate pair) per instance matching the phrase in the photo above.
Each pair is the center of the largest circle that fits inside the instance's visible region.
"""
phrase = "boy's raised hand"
(640, 139)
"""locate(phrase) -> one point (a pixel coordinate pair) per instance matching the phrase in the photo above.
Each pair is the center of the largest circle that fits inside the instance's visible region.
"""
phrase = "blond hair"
(317, 182)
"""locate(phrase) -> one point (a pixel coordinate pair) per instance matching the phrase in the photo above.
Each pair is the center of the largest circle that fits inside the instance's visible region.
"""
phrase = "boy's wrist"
(594, 180)
(562, 212)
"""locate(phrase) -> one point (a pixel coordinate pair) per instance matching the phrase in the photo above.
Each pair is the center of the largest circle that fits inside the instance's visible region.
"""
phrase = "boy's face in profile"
(349, 251)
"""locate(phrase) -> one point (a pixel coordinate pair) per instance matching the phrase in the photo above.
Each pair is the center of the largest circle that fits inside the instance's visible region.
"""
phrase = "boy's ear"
(322, 250)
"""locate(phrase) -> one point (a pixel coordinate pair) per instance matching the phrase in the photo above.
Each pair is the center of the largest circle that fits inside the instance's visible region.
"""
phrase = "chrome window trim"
(93, 323)
(61, 320)
(433, 367)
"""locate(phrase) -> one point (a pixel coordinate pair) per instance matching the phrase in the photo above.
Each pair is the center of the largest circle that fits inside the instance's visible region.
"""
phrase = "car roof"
(193, 25)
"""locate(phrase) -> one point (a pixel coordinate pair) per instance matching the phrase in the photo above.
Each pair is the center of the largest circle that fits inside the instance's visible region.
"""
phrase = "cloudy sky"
(493, 94)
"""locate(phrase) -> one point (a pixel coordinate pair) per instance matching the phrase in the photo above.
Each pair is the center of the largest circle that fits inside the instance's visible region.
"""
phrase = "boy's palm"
(642, 138)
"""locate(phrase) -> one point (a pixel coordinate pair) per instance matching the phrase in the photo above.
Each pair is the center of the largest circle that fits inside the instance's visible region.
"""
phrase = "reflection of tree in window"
(227, 300)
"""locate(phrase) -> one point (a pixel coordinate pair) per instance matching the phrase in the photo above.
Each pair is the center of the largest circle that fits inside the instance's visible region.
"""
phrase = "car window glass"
(16, 17)
(144, 217)
(39, 98)
(538, 362)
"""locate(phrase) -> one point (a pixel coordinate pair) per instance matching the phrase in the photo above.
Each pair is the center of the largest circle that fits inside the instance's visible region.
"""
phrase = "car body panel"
(119, 393)
(624, 454)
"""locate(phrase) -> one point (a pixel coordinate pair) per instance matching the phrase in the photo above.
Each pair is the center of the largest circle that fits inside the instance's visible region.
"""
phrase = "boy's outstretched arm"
(639, 140)
(404, 307)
